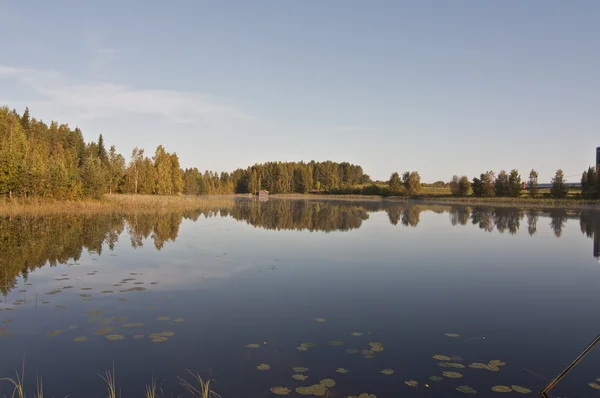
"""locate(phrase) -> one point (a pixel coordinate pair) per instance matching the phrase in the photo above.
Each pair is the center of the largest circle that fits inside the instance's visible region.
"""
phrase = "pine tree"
(559, 189)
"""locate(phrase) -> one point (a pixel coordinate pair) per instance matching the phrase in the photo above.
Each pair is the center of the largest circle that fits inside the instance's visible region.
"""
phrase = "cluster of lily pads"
(595, 385)
(320, 389)
(451, 365)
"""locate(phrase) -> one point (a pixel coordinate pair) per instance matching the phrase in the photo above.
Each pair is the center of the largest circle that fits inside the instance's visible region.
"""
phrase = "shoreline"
(125, 203)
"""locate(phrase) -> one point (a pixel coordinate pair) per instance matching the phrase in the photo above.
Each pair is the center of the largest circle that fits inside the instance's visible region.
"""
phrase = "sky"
(441, 87)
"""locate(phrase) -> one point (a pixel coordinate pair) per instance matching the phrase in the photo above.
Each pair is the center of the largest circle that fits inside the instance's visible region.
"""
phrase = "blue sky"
(442, 87)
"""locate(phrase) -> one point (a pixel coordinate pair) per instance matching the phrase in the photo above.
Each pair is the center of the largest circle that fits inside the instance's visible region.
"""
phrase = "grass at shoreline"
(115, 203)
(121, 203)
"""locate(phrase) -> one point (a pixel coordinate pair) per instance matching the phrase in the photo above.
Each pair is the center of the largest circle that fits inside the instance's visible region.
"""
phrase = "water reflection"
(30, 242)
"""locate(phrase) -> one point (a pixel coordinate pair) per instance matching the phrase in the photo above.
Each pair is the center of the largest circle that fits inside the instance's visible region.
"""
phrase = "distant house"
(263, 193)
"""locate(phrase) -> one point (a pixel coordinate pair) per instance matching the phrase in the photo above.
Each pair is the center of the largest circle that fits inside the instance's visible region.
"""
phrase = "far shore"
(126, 203)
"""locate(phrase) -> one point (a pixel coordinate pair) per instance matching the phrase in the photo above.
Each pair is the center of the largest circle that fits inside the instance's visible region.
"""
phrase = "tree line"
(54, 161)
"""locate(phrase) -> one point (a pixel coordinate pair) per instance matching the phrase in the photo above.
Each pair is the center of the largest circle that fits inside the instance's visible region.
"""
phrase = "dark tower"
(597, 156)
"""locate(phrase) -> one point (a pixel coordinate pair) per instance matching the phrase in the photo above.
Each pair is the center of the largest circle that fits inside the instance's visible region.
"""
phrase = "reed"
(114, 203)
(198, 387)
(109, 379)
(18, 383)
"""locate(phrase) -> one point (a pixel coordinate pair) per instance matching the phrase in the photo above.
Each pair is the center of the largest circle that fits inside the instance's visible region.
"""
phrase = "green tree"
(412, 182)
(93, 177)
(176, 175)
(559, 188)
(515, 186)
(464, 186)
(163, 170)
(454, 186)
(115, 170)
(102, 150)
(501, 185)
(532, 184)
(395, 184)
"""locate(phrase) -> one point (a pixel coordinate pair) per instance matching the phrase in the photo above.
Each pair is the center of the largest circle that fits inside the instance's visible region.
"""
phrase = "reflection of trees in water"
(558, 219)
(532, 219)
(27, 243)
(300, 215)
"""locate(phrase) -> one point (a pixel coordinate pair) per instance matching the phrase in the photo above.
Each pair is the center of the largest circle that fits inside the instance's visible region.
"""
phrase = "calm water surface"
(518, 285)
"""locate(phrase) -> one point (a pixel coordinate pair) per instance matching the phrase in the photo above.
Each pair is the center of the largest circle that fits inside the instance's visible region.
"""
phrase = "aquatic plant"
(263, 367)
(342, 370)
(356, 334)
(466, 390)
(364, 395)
(595, 385)
(352, 351)
(441, 357)
(452, 335)
(178, 320)
(435, 378)
(521, 390)
(300, 369)
(109, 379)
(387, 371)
(412, 383)
(80, 339)
(320, 320)
(280, 390)
(19, 383)
(151, 389)
(452, 375)
(501, 389)
(113, 337)
(132, 325)
(376, 346)
(299, 376)
(451, 365)
(253, 345)
(104, 331)
(200, 389)
(138, 336)
(54, 333)
(163, 318)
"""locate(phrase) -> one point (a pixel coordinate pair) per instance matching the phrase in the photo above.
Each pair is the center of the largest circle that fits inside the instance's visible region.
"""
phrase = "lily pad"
(178, 320)
(106, 321)
(387, 371)
(594, 385)
(54, 333)
(335, 343)
(122, 299)
(320, 320)
(163, 318)
(451, 365)
(466, 390)
(501, 389)
(342, 370)
(138, 336)
(452, 375)
(113, 337)
(411, 383)
(305, 346)
(356, 334)
(132, 325)
(159, 339)
(263, 367)
(317, 389)
(60, 306)
(104, 331)
(352, 351)
(327, 383)
(280, 390)
(496, 362)
(479, 365)
(299, 369)
(521, 390)
(376, 346)
(106, 291)
(435, 378)
(80, 339)
(73, 327)
(122, 319)
(452, 335)
(253, 345)
(441, 357)
(299, 376)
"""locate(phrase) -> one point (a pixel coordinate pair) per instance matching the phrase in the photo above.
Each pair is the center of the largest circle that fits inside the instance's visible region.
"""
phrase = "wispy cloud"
(96, 99)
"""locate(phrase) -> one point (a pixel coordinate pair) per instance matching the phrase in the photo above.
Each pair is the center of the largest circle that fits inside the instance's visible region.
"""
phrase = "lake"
(347, 289)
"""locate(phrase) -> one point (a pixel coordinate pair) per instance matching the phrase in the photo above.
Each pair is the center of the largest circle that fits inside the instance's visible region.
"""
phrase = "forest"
(53, 161)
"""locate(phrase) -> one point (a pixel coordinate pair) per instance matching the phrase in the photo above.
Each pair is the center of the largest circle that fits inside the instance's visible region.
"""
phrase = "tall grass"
(115, 203)
(198, 387)
(18, 384)
(151, 389)
(109, 379)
